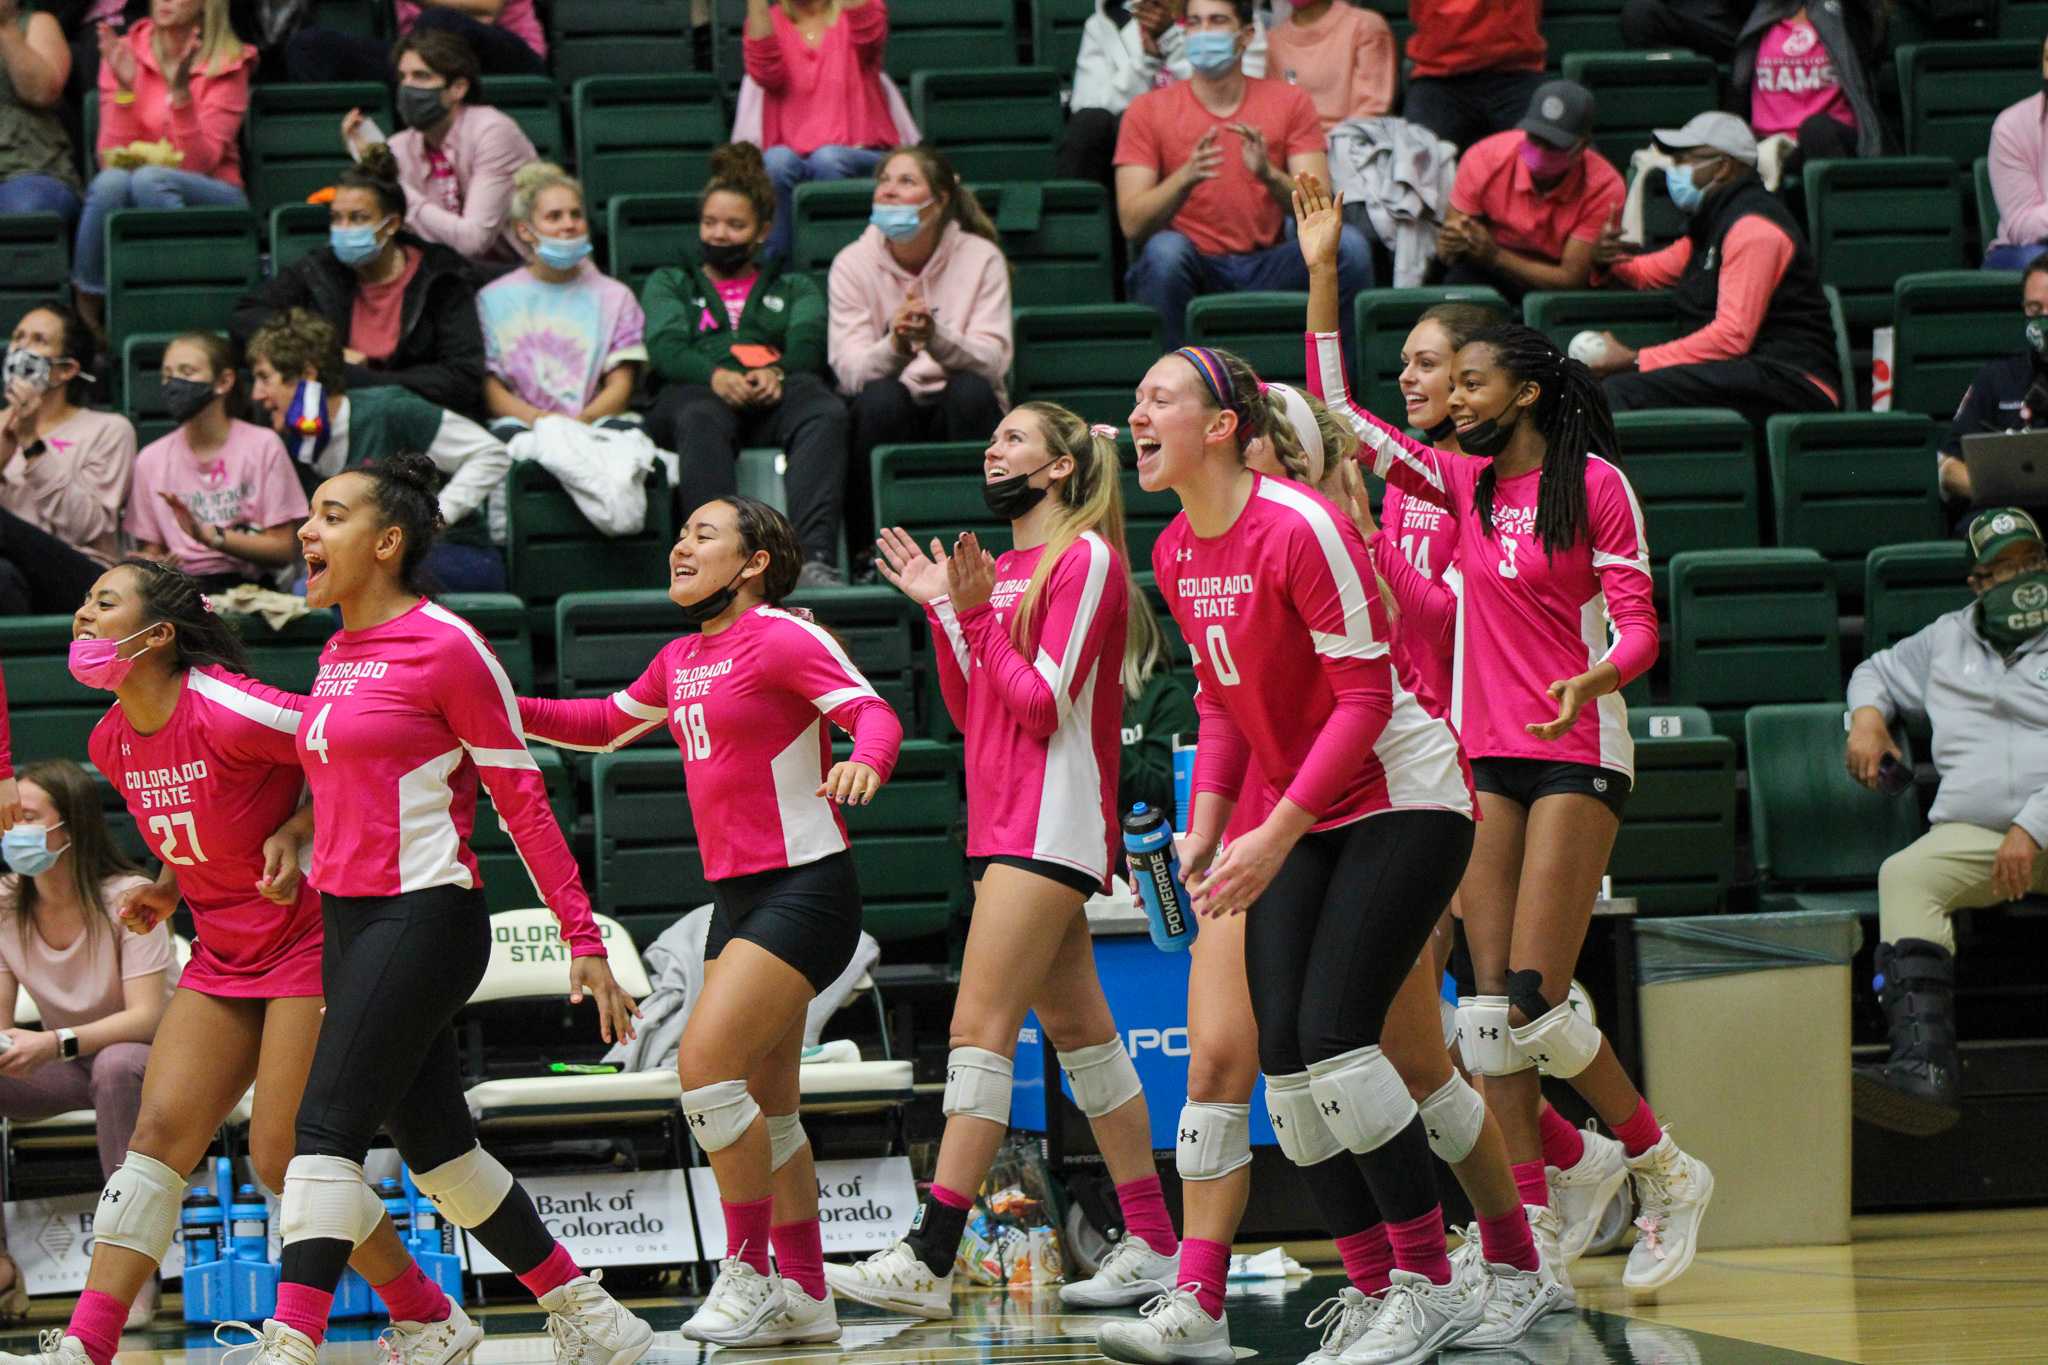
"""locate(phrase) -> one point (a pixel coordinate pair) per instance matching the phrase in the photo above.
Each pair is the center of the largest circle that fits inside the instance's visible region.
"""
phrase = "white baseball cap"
(1716, 130)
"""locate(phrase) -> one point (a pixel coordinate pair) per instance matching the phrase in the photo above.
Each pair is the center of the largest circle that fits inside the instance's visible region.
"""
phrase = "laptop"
(2007, 468)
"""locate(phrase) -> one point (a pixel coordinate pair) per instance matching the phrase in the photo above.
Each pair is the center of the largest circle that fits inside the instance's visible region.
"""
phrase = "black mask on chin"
(1441, 432)
(1488, 438)
(726, 255)
(708, 608)
(1011, 497)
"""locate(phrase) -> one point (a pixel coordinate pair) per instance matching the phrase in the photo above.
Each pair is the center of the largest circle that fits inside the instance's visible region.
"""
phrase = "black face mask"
(185, 399)
(726, 255)
(420, 106)
(697, 613)
(1441, 432)
(1010, 498)
(1487, 438)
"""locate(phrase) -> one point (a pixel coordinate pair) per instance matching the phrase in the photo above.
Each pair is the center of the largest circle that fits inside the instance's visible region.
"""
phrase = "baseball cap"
(1716, 130)
(1994, 530)
(1560, 113)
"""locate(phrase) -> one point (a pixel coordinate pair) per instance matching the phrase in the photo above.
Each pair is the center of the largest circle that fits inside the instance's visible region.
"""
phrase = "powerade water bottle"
(208, 1294)
(1156, 868)
(201, 1223)
(251, 1225)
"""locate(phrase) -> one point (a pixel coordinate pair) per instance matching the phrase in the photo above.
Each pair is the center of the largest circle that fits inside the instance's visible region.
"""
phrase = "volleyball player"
(746, 698)
(409, 710)
(1030, 649)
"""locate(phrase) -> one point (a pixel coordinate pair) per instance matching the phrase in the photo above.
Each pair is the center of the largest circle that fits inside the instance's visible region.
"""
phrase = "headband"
(1305, 429)
(1216, 376)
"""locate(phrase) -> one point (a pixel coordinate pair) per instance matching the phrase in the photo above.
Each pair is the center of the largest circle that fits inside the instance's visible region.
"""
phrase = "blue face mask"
(1212, 53)
(1685, 195)
(27, 849)
(562, 253)
(354, 245)
(898, 222)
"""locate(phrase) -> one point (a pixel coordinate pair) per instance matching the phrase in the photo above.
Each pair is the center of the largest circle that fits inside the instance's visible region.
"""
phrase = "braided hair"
(1571, 414)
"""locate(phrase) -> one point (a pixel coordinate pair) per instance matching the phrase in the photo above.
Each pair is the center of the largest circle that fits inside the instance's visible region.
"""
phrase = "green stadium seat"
(1845, 359)
(50, 713)
(35, 261)
(1694, 471)
(1843, 483)
(361, 18)
(1867, 216)
(550, 545)
(177, 270)
(507, 883)
(1945, 324)
(1263, 327)
(1636, 91)
(882, 631)
(1752, 626)
(141, 390)
(996, 123)
(1675, 852)
(633, 132)
(1639, 317)
(1950, 92)
(1582, 26)
(535, 104)
(605, 640)
(1987, 202)
(1383, 319)
(930, 35)
(1818, 836)
(933, 490)
(728, 60)
(647, 865)
(1056, 33)
(645, 232)
(1652, 720)
(1056, 234)
(1088, 357)
(295, 229)
(618, 38)
(2025, 19)
(829, 214)
(911, 866)
(501, 619)
(1906, 587)
(293, 135)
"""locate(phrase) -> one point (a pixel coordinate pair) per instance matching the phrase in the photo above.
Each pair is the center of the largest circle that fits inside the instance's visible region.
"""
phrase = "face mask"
(28, 367)
(1013, 496)
(1488, 438)
(355, 245)
(1685, 196)
(2037, 337)
(1212, 53)
(419, 106)
(185, 399)
(2015, 611)
(728, 256)
(27, 849)
(898, 222)
(98, 663)
(697, 613)
(1441, 432)
(563, 253)
(1551, 163)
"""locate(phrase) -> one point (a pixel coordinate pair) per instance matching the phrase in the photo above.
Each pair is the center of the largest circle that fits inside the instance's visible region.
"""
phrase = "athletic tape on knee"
(1298, 1126)
(786, 1138)
(1361, 1097)
(1101, 1077)
(468, 1189)
(1214, 1140)
(1485, 1040)
(138, 1209)
(719, 1113)
(1562, 1043)
(978, 1084)
(327, 1197)
(1452, 1118)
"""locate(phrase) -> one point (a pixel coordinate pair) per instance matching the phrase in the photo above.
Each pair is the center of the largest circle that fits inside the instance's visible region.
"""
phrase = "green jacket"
(1150, 723)
(783, 311)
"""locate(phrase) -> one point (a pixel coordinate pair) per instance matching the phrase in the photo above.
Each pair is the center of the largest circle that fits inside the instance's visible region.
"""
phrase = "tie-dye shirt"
(553, 344)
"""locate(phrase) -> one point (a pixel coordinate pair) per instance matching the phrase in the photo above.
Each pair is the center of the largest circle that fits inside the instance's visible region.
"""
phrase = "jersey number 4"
(165, 830)
(696, 735)
(316, 733)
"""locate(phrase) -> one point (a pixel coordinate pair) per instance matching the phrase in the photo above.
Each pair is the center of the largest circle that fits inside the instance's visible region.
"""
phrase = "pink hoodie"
(966, 283)
(208, 130)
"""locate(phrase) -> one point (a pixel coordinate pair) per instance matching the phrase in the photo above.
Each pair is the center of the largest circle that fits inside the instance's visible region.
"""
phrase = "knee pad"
(1362, 1098)
(1452, 1118)
(1562, 1043)
(1298, 1125)
(468, 1189)
(138, 1209)
(327, 1196)
(719, 1113)
(978, 1084)
(786, 1138)
(1213, 1141)
(1102, 1077)
(1485, 1039)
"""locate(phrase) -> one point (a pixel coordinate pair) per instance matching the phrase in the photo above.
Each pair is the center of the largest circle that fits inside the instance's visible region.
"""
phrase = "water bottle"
(1155, 867)
(201, 1222)
(250, 1219)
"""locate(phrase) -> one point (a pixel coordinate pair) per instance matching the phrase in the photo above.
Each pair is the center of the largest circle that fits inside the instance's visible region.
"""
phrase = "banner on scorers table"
(51, 1240)
(608, 1218)
(862, 1205)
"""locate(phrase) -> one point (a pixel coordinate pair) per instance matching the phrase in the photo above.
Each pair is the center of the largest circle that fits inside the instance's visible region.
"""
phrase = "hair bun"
(737, 160)
(379, 162)
(412, 469)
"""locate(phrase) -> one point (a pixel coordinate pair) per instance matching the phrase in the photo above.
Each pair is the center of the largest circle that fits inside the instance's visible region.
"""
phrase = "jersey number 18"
(696, 735)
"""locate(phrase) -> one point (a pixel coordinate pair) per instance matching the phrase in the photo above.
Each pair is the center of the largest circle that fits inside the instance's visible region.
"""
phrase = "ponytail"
(1572, 415)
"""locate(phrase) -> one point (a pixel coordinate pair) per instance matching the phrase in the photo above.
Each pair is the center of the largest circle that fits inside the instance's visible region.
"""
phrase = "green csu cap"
(1992, 531)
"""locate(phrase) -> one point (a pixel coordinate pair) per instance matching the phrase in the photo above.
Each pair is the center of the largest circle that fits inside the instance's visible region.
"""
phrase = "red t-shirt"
(379, 310)
(1493, 184)
(1231, 212)
(1459, 37)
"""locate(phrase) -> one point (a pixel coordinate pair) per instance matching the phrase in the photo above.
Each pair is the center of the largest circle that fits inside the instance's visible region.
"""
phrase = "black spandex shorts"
(807, 916)
(1057, 872)
(1523, 780)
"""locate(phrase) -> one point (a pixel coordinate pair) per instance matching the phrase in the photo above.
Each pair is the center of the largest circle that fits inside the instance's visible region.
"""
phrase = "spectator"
(1972, 677)
(560, 335)
(406, 306)
(179, 77)
(740, 348)
(1204, 177)
(1528, 206)
(1757, 333)
(1344, 56)
(37, 172)
(2019, 179)
(298, 379)
(63, 468)
(505, 35)
(1158, 712)
(2009, 393)
(824, 113)
(1474, 66)
(920, 318)
(1708, 27)
(1809, 73)
(217, 497)
(99, 989)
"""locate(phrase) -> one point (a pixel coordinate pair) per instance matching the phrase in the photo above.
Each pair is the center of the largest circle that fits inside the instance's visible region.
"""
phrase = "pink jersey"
(206, 790)
(6, 739)
(1044, 724)
(1281, 602)
(403, 720)
(747, 707)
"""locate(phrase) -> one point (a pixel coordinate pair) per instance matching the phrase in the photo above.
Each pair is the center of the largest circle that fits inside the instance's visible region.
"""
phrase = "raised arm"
(1416, 469)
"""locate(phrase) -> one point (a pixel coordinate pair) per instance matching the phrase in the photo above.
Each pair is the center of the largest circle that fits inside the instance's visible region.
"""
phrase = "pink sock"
(303, 1308)
(1505, 1240)
(557, 1270)
(800, 1255)
(1206, 1265)
(412, 1297)
(1419, 1246)
(1368, 1259)
(952, 1199)
(97, 1322)
(1530, 1183)
(1641, 1132)
(1145, 1216)
(746, 1231)
(1563, 1144)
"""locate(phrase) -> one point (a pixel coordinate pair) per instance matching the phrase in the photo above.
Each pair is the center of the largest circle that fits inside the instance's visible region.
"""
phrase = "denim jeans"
(787, 170)
(150, 187)
(1169, 272)
(39, 194)
(2013, 257)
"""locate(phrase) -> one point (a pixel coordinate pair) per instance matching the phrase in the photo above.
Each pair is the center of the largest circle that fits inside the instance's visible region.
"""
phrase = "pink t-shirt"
(733, 294)
(1231, 212)
(247, 482)
(1494, 184)
(829, 95)
(76, 985)
(1347, 61)
(747, 707)
(1795, 79)
(516, 18)
(206, 790)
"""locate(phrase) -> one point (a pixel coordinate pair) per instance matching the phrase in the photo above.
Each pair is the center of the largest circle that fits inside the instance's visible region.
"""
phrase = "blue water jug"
(249, 1219)
(1155, 866)
(252, 1275)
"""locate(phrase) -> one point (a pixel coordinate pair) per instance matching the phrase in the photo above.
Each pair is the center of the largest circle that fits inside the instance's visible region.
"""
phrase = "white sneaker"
(590, 1327)
(276, 1344)
(1583, 1192)
(1468, 1253)
(741, 1303)
(1417, 1319)
(1672, 1190)
(897, 1280)
(447, 1342)
(803, 1320)
(1546, 1226)
(1171, 1328)
(1131, 1273)
(1515, 1301)
(1343, 1320)
(53, 1347)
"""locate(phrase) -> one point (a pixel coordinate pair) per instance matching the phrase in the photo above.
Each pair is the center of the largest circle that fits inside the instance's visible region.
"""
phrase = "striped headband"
(1216, 376)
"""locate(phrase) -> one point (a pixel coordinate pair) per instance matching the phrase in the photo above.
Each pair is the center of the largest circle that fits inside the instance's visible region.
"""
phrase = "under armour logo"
(696, 1120)
(1330, 1107)
(1183, 556)
(1540, 1058)
(1485, 1032)
(1190, 1135)
(1278, 1121)
(1435, 1136)
(111, 1197)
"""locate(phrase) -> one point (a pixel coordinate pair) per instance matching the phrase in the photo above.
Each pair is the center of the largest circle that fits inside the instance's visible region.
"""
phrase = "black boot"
(1918, 1090)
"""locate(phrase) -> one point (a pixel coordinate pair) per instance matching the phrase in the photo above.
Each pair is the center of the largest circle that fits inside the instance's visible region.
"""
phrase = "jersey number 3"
(696, 735)
(165, 829)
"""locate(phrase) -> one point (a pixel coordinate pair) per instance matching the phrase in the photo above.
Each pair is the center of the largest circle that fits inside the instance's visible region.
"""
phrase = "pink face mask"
(98, 663)
(1547, 163)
